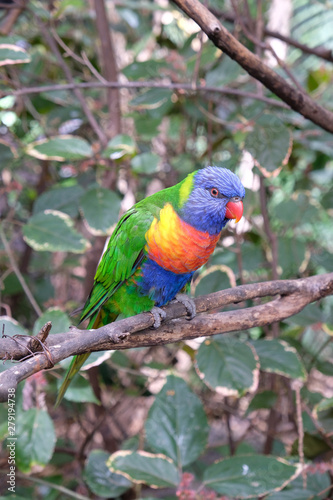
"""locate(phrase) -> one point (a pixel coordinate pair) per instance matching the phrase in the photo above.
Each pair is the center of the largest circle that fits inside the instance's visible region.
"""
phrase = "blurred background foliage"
(72, 160)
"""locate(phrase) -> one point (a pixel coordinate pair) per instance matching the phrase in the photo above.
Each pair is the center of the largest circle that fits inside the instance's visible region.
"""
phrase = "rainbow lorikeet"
(157, 246)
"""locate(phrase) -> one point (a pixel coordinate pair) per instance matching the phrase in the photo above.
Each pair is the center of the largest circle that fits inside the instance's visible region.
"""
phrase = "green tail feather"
(73, 369)
(76, 364)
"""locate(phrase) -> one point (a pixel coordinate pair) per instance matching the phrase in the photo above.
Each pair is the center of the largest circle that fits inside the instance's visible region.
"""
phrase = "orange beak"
(234, 210)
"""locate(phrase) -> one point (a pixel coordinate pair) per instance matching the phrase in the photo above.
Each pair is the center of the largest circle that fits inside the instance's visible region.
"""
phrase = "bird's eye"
(214, 192)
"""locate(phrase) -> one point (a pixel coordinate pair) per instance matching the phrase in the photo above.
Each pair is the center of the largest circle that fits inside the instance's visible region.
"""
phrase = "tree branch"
(144, 84)
(319, 51)
(225, 41)
(291, 296)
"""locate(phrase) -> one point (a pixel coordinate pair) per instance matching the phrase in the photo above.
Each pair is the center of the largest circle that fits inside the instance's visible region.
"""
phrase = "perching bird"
(157, 246)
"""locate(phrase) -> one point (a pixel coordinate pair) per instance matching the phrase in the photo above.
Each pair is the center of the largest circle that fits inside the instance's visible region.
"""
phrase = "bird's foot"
(159, 315)
(188, 303)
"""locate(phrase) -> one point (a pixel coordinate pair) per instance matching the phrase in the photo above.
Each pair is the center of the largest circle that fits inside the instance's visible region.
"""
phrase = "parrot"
(156, 247)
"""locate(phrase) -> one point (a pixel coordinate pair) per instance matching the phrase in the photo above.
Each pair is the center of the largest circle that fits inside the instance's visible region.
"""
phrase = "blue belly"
(159, 284)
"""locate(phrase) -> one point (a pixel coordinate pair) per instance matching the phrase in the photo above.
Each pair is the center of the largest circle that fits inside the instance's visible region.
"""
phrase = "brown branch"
(253, 65)
(321, 52)
(109, 67)
(181, 87)
(291, 297)
(14, 11)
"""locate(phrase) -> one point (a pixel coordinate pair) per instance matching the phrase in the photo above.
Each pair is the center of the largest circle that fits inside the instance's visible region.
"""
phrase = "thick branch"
(224, 40)
(319, 51)
(292, 297)
(110, 71)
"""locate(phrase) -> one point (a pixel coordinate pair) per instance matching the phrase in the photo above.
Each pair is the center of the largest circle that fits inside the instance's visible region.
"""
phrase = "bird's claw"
(159, 315)
(188, 303)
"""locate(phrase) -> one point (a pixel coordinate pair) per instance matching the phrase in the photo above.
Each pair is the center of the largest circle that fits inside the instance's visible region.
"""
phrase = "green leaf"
(12, 54)
(296, 211)
(60, 148)
(263, 399)
(120, 146)
(60, 321)
(144, 70)
(291, 255)
(315, 484)
(64, 199)
(80, 391)
(100, 208)
(269, 142)
(227, 71)
(228, 366)
(100, 479)
(146, 163)
(157, 471)
(9, 326)
(36, 439)
(53, 231)
(249, 475)
(177, 424)
(151, 99)
(276, 356)
(323, 411)
(7, 154)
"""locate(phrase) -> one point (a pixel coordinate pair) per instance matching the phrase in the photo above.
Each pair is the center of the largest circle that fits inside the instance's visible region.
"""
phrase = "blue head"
(216, 197)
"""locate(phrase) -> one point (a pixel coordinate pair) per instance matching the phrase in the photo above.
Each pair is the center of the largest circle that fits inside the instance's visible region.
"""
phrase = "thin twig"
(54, 48)
(18, 273)
(181, 87)
(296, 386)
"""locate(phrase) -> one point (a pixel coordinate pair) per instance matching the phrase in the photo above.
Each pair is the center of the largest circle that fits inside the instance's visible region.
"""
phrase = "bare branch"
(291, 297)
(181, 87)
(225, 41)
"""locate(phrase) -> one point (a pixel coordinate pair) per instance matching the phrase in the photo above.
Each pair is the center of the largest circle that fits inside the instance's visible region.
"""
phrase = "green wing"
(125, 252)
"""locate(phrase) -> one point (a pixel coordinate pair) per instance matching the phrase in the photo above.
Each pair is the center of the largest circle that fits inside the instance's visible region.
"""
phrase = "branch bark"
(291, 296)
(224, 40)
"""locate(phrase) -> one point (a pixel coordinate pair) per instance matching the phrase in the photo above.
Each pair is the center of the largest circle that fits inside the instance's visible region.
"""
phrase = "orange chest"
(175, 245)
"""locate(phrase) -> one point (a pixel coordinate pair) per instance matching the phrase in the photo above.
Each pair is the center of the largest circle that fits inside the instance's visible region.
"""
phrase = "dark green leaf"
(64, 199)
(53, 231)
(80, 391)
(60, 148)
(151, 99)
(249, 475)
(291, 255)
(157, 471)
(100, 479)
(100, 209)
(120, 146)
(9, 326)
(177, 424)
(36, 439)
(7, 154)
(228, 366)
(264, 399)
(269, 142)
(60, 321)
(12, 54)
(145, 163)
(276, 356)
(315, 484)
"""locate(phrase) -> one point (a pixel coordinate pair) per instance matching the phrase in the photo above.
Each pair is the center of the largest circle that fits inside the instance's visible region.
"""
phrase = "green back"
(126, 248)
